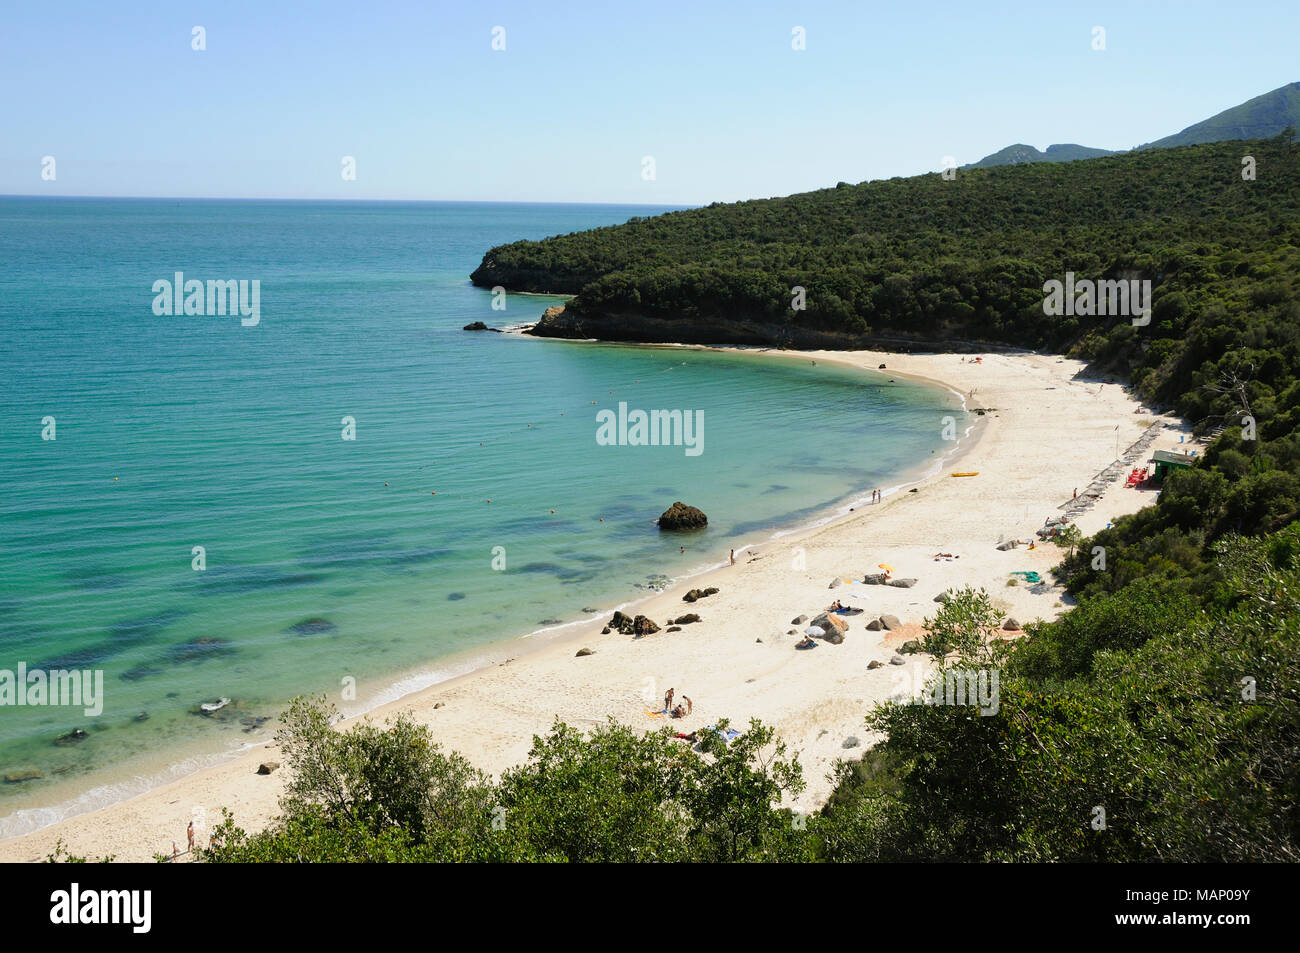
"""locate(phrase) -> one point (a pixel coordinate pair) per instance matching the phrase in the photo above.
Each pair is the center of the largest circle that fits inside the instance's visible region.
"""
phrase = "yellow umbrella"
(885, 566)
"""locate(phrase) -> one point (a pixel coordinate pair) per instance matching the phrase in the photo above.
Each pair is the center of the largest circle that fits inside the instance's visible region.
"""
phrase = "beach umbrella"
(885, 566)
(815, 630)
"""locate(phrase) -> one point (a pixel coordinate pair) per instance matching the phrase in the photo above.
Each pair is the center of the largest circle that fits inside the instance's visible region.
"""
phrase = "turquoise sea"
(377, 559)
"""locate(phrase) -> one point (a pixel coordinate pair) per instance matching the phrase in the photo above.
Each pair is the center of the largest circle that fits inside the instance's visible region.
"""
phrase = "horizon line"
(238, 198)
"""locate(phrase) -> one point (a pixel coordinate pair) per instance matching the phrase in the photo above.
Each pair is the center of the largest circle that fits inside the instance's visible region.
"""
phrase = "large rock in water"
(681, 516)
(833, 626)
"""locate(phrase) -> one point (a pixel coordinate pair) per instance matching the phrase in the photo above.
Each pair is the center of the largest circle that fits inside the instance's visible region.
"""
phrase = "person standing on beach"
(189, 836)
(733, 557)
(668, 700)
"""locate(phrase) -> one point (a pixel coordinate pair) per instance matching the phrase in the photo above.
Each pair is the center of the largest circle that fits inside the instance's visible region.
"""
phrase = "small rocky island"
(681, 516)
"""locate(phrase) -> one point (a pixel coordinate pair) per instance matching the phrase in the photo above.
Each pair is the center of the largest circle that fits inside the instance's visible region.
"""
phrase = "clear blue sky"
(713, 91)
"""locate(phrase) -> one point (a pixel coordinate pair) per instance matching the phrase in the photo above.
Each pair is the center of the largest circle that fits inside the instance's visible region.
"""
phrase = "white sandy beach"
(1045, 435)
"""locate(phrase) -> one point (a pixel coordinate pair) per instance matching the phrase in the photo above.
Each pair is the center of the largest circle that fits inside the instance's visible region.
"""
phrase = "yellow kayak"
(973, 473)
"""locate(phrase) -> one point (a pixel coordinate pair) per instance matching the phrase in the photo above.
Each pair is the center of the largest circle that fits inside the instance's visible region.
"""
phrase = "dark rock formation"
(627, 625)
(75, 736)
(680, 516)
(584, 651)
(266, 767)
(696, 594)
(313, 626)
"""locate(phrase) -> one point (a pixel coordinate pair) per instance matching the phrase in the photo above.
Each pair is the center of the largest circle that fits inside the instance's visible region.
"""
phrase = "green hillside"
(1257, 118)
(1059, 152)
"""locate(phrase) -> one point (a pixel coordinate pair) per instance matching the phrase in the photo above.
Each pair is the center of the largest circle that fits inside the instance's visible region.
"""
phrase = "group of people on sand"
(876, 496)
(681, 711)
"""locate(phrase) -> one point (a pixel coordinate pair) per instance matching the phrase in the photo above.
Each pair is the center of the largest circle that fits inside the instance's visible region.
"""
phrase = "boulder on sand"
(1011, 625)
(681, 516)
(1009, 544)
(699, 594)
(875, 663)
(627, 625)
(584, 651)
(910, 647)
(874, 579)
(799, 620)
(901, 583)
(875, 625)
(833, 626)
(266, 767)
(687, 619)
(891, 622)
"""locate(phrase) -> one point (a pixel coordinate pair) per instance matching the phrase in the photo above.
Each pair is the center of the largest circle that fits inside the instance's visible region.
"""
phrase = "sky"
(582, 93)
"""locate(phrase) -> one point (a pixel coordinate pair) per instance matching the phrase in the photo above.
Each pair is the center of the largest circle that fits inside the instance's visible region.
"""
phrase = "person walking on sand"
(1075, 494)
(189, 836)
(733, 557)
(668, 700)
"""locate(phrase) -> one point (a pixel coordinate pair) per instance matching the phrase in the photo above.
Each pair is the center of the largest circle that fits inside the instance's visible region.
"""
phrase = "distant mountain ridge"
(1260, 118)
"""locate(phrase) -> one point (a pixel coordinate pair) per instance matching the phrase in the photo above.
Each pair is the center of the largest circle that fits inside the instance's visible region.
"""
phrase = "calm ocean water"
(326, 559)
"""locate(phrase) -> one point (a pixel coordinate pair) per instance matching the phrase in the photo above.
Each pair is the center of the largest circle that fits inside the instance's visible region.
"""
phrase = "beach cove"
(1047, 431)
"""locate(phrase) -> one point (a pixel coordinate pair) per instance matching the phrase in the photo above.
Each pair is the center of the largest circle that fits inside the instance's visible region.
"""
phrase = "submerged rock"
(75, 736)
(312, 626)
(681, 516)
(18, 777)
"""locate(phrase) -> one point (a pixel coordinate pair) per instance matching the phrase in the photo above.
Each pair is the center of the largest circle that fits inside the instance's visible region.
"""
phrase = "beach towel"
(655, 714)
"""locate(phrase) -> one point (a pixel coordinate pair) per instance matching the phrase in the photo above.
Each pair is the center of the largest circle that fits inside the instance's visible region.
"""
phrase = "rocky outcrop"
(799, 620)
(685, 619)
(75, 736)
(584, 651)
(1011, 625)
(891, 622)
(266, 767)
(696, 594)
(833, 626)
(910, 647)
(681, 516)
(874, 579)
(627, 625)
(18, 777)
(901, 583)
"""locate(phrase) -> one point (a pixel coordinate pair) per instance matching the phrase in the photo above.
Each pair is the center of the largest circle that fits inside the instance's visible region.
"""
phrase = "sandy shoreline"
(1045, 434)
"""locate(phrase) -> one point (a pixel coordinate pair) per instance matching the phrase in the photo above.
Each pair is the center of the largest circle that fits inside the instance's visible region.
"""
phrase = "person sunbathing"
(835, 606)
(807, 643)
(679, 712)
